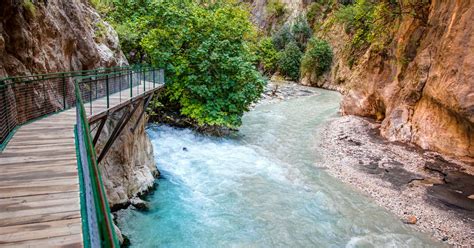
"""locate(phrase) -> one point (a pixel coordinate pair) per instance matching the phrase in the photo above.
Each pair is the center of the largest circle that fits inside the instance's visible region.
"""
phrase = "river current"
(259, 188)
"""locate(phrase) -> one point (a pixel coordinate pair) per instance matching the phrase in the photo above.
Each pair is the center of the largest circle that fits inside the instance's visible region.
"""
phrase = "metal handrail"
(98, 229)
(26, 98)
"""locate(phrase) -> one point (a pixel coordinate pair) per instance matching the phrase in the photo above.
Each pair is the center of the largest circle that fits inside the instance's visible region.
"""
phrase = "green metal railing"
(27, 98)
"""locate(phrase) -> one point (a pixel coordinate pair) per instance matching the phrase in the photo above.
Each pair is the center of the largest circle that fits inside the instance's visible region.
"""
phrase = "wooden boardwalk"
(39, 184)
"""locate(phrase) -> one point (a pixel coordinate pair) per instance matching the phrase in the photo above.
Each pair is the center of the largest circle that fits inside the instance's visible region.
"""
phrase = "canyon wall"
(54, 36)
(421, 86)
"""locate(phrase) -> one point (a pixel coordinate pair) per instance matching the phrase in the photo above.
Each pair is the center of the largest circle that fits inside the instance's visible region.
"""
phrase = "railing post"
(120, 86)
(144, 80)
(131, 83)
(90, 95)
(107, 89)
(7, 110)
(162, 72)
(64, 92)
(154, 81)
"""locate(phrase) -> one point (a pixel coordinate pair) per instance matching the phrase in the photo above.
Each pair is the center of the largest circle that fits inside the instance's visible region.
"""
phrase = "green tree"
(290, 60)
(267, 55)
(205, 49)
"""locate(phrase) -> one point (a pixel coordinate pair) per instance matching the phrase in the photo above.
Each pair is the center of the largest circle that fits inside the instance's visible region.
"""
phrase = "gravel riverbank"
(432, 193)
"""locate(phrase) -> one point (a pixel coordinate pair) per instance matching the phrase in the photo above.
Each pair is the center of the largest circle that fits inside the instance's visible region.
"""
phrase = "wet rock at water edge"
(139, 204)
(411, 219)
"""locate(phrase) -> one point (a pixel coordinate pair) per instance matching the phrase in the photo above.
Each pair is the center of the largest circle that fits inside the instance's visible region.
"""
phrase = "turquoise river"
(260, 188)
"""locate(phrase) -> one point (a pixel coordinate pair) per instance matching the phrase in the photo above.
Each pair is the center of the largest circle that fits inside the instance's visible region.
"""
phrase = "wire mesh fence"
(28, 98)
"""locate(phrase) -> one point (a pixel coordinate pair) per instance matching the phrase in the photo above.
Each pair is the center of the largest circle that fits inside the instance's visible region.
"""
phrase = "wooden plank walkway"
(39, 184)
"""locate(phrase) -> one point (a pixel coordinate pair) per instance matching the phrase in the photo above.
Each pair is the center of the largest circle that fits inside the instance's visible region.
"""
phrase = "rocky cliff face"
(422, 86)
(266, 21)
(51, 36)
(129, 168)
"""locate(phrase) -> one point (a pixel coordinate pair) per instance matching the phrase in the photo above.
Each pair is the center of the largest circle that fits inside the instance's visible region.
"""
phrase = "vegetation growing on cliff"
(29, 7)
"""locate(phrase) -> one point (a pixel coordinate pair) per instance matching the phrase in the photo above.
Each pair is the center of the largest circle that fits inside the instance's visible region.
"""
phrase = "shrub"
(289, 61)
(283, 37)
(314, 12)
(100, 33)
(317, 58)
(301, 32)
(367, 21)
(267, 55)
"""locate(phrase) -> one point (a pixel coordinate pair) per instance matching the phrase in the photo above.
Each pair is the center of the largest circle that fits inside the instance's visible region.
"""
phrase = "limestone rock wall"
(266, 21)
(54, 35)
(422, 89)
(129, 168)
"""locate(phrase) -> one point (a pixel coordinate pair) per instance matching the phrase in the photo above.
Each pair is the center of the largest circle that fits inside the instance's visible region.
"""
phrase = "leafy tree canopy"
(205, 48)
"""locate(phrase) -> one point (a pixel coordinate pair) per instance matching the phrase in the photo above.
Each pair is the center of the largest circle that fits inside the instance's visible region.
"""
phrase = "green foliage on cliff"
(317, 58)
(290, 60)
(298, 32)
(282, 37)
(275, 8)
(301, 31)
(29, 7)
(206, 49)
(366, 22)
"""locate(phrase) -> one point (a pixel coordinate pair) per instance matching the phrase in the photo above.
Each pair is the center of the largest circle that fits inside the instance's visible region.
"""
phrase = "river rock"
(411, 219)
(139, 203)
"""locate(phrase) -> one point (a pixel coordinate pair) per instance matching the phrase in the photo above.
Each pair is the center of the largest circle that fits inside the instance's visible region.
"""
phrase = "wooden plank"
(16, 191)
(42, 230)
(37, 209)
(51, 173)
(70, 241)
(38, 218)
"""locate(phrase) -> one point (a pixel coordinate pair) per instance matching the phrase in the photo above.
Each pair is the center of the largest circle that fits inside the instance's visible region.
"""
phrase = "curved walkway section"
(39, 184)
